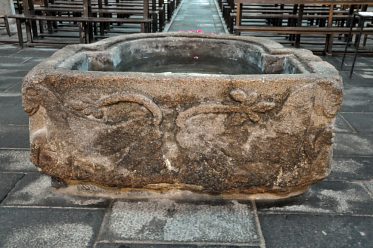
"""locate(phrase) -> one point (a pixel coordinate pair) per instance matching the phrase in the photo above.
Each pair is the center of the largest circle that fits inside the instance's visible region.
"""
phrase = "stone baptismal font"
(214, 115)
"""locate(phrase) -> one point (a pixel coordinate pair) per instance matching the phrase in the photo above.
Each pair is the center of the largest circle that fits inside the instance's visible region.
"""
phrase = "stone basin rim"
(303, 59)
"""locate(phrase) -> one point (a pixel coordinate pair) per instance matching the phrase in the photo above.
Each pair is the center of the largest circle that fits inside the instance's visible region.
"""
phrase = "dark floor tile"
(11, 111)
(15, 89)
(353, 145)
(358, 99)
(325, 197)
(35, 190)
(48, 227)
(34, 53)
(169, 245)
(13, 73)
(316, 231)
(8, 50)
(357, 168)
(7, 182)
(334, 60)
(369, 186)
(361, 62)
(16, 160)
(170, 221)
(362, 122)
(360, 78)
(7, 82)
(22, 67)
(10, 60)
(14, 137)
(341, 126)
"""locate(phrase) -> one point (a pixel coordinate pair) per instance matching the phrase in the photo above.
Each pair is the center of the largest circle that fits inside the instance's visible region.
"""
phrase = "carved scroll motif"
(94, 108)
(249, 104)
(35, 96)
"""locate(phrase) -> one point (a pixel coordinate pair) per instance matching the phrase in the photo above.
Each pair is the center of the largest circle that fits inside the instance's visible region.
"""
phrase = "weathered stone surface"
(214, 133)
(316, 231)
(219, 223)
(49, 227)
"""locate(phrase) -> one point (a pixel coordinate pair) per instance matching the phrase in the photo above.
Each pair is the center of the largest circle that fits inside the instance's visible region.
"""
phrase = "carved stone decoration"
(248, 106)
(121, 115)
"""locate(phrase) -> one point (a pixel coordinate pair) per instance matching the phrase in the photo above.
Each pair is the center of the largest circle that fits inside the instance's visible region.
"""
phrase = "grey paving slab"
(346, 144)
(362, 122)
(13, 72)
(15, 89)
(170, 221)
(356, 168)
(35, 190)
(358, 99)
(16, 161)
(317, 231)
(169, 245)
(335, 197)
(360, 78)
(35, 53)
(48, 227)
(10, 61)
(11, 111)
(7, 82)
(197, 15)
(369, 186)
(360, 64)
(7, 50)
(14, 137)
(7, 182)
(342, 126)
(17, 66)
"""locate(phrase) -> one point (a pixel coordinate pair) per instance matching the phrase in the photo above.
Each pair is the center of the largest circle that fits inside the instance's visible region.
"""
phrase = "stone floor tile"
(11, 111)
(369, 186)
(316, 231)
(34, 53)
(361, 62)
(170, 221)
(14, 137)
(37, 60)
(35, 190)
(353, 145)
(341, 126)
(356, 168)
(9, 61)
(359, 79)
(167, 245)
(21, 66)
(13, 73)
(48, 227)
(325, 197)
(8, 50)
(16, 160)
(197, 15)
(358, 99)
(15, 89)
(362, 122)
(7, 82)
(7, 182)
(363, 72)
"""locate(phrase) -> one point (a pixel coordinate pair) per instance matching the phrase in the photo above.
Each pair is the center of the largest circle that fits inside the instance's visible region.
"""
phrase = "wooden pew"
(83, 17)
(329, 23)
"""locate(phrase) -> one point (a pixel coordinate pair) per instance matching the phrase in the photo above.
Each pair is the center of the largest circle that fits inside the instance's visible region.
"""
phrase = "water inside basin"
(175, 56)
(192, 64)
